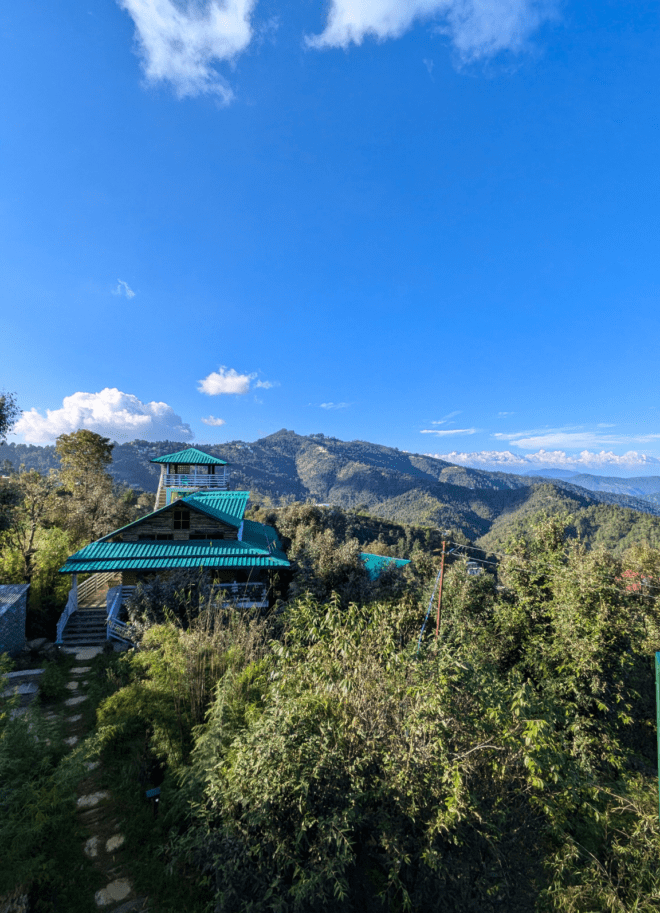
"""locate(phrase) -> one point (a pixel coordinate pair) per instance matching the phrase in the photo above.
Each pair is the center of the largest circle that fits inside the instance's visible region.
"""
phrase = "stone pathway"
(103, 840)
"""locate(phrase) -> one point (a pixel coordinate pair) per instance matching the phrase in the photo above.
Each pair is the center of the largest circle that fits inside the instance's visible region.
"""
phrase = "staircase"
(86, 627)
(161, 496)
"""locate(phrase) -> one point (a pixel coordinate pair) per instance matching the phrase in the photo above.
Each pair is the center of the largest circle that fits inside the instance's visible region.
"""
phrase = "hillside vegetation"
(403, 488)
(327, 757)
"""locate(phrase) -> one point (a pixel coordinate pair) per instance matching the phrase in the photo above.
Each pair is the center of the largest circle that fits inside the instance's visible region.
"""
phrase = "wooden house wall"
(200, 524)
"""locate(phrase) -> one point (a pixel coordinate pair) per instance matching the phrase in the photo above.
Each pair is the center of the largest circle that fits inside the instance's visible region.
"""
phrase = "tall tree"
(33, 502)
(89, 504)
(84, 451)
(9, 412)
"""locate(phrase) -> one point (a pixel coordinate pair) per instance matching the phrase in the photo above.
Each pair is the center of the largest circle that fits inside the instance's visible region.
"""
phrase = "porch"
(93, 611)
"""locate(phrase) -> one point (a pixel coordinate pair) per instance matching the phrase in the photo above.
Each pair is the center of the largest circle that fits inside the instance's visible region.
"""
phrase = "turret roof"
(192, 456)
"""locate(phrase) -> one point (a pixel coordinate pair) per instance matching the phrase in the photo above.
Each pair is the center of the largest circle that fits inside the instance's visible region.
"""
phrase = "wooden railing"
(197, 480)
(116, 629)
(69, 609)
(93, 584)
(244, 595)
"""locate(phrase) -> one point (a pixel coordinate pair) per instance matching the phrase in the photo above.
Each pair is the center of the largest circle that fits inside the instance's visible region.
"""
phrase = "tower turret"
(186, 471)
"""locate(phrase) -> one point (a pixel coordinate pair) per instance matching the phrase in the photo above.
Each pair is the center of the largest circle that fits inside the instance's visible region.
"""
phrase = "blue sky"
(430, 224)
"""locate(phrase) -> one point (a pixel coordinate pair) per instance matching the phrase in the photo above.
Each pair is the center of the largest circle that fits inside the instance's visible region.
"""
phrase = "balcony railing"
(197, 480)
(243, 595)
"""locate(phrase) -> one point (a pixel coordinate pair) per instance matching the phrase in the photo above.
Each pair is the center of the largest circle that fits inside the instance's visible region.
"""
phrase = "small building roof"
(10, 593)
(376, 564)
(192, 456)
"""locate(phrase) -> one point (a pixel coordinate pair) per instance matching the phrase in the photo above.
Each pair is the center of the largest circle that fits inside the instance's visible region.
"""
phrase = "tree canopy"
(9, 412)
(84, 451)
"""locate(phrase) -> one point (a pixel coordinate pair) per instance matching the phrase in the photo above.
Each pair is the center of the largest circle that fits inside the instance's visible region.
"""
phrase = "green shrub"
(52, 683)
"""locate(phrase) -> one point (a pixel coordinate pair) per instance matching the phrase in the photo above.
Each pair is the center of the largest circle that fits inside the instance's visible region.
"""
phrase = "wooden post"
(442, 574)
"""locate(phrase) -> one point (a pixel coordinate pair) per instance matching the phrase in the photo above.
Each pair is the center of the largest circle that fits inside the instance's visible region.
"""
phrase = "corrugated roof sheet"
(192, 456)
(153, 564)
(228, 506)
(376, 564)
(261, 549)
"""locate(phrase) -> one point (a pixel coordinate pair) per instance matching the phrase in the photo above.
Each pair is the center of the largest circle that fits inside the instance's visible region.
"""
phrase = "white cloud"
(226, 380)
(601, 462)
(117, 415)
(335, 405)
(214, 422)
(443, 431)
(180, 41)
(123, 289)
(572, 438)
(266, 384)
(444, 420)
(477, 28)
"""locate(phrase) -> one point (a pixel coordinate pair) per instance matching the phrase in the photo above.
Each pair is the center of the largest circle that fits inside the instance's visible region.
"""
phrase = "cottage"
(197, 523)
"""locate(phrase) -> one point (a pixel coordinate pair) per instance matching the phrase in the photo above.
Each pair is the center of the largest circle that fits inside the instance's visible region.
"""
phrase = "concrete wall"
(13, 611)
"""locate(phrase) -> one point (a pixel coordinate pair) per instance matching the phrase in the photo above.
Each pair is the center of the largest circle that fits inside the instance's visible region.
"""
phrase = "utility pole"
(442, 574)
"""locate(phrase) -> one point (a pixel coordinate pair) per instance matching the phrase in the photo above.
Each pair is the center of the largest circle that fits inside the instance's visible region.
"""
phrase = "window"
(181, 519)
(164, 537)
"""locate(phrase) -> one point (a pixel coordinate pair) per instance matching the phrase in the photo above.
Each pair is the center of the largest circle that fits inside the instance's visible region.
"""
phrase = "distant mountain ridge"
(645, 488)
(386, 482)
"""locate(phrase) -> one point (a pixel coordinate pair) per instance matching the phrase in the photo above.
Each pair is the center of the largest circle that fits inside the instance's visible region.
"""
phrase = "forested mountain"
(396, 485)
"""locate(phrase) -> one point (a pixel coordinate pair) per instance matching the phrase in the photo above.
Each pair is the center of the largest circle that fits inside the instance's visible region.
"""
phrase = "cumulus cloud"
(123, 288)
(629, 463)
(214, 422)
(477, 28)
(443, 431)
(226, 380)
(117, 415)
(335, 405)
(266, 384)
(180, 41)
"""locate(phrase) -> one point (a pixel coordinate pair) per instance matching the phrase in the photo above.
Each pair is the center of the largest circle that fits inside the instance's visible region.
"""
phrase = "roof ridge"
(179, 456)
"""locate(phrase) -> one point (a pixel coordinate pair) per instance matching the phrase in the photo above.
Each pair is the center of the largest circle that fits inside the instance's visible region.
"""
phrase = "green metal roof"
(192, 456)
(227, 506)
(262, 549)
(376, 564)
(261, 536)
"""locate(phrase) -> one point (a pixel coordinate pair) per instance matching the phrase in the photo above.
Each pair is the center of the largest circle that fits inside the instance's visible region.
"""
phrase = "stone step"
(84, 642)
(85, 630)
(94, 620)
(89, 626)
(86, 622)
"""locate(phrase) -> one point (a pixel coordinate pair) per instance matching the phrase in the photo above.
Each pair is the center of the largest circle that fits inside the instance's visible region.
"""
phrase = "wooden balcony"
(217, 482)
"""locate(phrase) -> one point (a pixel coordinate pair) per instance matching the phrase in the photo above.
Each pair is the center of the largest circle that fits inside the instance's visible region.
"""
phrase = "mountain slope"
(395, 485)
